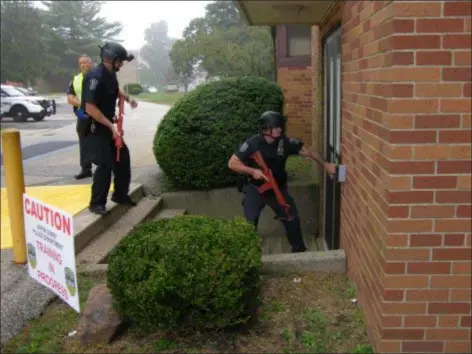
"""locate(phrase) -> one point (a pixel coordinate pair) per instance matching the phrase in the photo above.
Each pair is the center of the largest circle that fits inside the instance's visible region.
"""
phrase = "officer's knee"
(251, 217)
(105, 166)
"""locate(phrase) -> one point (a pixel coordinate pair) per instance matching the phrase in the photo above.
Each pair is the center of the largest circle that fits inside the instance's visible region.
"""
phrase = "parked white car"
(20, 107)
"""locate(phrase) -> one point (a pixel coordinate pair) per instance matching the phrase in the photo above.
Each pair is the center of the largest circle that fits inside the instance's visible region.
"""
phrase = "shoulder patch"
(280, 148)
(93, 84)
(244, 146)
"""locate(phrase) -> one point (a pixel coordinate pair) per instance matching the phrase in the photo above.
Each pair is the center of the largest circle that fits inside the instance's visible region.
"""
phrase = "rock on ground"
(99, 321)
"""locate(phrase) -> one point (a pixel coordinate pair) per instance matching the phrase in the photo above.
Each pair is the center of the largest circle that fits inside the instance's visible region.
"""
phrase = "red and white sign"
(50, 246)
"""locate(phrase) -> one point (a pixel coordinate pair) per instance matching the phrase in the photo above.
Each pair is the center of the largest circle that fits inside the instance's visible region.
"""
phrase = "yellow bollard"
(15, 183)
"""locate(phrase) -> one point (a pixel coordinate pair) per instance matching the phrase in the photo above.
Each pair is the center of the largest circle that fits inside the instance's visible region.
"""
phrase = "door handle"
(341, 173)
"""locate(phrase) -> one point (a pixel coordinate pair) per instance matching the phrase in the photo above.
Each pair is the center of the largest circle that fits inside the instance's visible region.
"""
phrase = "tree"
(76, 28)
(223, 15)
(183, 62)
(23, 51)
(155, 54)
(224, 46)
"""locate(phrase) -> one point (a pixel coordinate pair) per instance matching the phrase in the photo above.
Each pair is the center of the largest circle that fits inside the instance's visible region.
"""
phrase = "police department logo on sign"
(93, 84)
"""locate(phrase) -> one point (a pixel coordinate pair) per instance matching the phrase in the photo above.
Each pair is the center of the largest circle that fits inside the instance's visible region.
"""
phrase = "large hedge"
(189, 272)
(200, 132)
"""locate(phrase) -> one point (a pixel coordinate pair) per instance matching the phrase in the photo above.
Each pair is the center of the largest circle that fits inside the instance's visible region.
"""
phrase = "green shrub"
(190, 272)
(200, 132)
(133, 89)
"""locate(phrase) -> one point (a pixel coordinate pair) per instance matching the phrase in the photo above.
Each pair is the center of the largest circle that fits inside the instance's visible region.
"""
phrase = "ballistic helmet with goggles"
(114, 52)
(271, 120)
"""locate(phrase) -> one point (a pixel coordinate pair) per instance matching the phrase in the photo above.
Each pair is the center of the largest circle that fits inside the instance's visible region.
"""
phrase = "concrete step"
(88, 225)
(290, 263)
(97, 250)
(278, 244)
(170, 213)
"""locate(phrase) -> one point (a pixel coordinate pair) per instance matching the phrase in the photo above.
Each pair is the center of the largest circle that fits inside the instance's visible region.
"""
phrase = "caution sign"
(50, 246)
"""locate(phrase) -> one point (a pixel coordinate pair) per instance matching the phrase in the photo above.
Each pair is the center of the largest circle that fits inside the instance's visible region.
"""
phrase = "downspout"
(273, 32)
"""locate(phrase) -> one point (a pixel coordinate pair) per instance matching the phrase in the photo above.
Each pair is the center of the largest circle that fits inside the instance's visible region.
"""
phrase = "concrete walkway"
(21, 297)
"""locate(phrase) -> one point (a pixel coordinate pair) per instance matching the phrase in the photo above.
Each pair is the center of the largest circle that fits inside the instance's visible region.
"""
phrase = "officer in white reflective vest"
(74, 94)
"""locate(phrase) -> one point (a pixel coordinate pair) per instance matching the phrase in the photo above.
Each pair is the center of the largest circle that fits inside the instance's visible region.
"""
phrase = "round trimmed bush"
(200, 132)
(133, 89)
(188, 272)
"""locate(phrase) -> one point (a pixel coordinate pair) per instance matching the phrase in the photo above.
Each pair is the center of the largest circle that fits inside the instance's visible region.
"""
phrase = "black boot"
(123, 201)
(83, 174)
(98, 209)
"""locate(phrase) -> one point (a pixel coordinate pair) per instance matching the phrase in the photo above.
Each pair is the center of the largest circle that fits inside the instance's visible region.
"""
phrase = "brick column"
(294, 76)
(297, 86)
(317, 128)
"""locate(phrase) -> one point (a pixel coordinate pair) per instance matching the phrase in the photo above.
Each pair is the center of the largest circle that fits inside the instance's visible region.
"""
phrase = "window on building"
(298, 40)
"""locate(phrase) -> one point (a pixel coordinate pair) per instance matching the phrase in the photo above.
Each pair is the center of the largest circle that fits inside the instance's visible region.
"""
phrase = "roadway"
(50, 147)
(34, 135)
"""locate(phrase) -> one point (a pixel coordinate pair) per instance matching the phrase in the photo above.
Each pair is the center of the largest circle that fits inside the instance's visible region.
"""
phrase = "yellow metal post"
(15, 183)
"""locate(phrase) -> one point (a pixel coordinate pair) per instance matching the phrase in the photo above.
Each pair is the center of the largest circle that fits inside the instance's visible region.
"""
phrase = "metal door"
(332, 125)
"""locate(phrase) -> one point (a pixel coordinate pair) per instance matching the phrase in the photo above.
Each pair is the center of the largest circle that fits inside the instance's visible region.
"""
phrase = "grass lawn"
(167, 98)
(314, 314)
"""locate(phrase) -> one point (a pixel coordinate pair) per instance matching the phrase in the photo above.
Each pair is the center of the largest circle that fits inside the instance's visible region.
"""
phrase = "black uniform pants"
(254, 203)
(85, 160)
(104, 157)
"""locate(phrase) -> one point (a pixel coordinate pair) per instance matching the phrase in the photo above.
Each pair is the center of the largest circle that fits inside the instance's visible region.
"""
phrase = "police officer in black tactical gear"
(100, 92)
(275, 147)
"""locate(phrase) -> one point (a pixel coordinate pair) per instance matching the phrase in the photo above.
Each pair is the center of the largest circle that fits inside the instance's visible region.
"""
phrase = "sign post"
(50, 248)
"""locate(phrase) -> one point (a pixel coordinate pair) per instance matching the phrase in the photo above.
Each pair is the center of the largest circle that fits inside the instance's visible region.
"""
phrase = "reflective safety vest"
(77, 85)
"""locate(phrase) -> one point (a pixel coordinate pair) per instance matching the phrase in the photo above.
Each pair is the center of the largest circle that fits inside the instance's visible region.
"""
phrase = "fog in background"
(136, 16)
(178, 44)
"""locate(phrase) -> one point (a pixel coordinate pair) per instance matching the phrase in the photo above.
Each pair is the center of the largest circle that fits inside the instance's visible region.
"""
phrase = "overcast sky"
(136, 16)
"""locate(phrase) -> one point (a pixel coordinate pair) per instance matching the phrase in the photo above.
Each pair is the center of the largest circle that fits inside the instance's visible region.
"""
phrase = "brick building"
(384, 87)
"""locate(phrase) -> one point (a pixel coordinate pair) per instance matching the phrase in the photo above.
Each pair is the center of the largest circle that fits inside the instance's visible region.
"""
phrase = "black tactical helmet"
(114, 51)
(271, 119)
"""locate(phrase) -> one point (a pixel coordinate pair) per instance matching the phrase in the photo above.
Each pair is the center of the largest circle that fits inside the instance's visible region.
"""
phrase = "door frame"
(335, 217)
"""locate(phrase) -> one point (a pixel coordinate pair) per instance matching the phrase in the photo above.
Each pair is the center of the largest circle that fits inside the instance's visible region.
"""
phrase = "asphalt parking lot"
(63, 117)
(38, 138)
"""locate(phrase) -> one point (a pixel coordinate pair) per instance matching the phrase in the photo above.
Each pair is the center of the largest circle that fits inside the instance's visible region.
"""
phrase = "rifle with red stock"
(119, 124)
(271, 184)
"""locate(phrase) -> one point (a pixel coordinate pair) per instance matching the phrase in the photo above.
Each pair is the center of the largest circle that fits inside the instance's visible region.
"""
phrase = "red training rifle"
(119, 124)
(271, 184)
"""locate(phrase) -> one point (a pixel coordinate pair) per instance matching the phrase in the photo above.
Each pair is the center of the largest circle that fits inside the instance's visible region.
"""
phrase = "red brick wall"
(406, 125)
(428, 252)
(364, 219)
(296, 83)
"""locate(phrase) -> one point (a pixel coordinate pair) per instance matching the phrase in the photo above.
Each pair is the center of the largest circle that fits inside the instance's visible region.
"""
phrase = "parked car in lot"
(20, 106)
(27, 91)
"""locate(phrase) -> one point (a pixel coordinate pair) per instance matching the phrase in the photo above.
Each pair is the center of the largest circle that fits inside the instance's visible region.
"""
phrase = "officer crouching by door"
(100, 92)
(275, 147)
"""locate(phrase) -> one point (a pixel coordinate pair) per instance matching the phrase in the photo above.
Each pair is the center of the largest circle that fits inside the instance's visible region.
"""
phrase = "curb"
(285, 263)
(92, 269)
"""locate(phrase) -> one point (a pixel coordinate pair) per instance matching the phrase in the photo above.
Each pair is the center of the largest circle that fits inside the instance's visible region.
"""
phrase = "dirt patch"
(300, 313)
